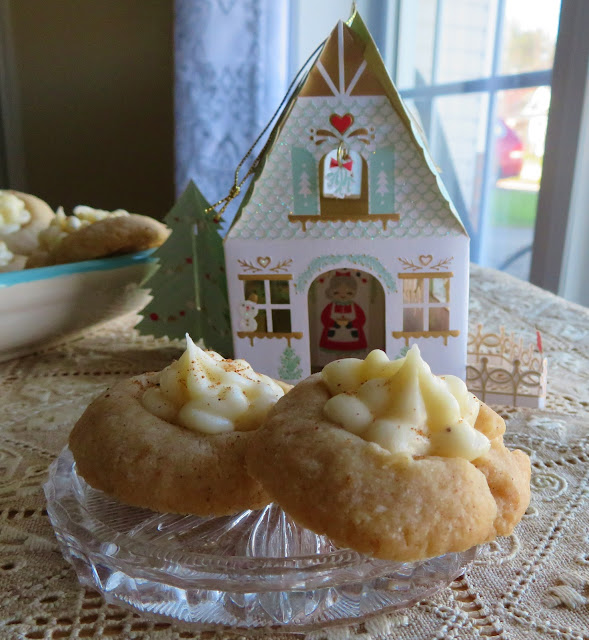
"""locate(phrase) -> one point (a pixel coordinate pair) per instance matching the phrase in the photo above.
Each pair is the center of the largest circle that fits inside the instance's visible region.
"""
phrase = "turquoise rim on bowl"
(103, 264)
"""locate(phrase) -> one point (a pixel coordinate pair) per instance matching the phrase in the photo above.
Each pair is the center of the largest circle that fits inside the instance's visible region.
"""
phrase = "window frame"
(559, 253)
(426, 305)
(268, 306)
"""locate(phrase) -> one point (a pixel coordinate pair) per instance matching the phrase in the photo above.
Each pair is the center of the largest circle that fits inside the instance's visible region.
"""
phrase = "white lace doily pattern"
(533, 584)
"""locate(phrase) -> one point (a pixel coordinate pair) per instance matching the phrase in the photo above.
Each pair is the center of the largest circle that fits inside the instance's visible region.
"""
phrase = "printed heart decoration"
(425, 260)
(263, 261)
(341, 123)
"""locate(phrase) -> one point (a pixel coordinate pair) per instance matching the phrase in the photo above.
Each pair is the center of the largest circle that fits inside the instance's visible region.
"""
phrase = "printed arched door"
(346, 316)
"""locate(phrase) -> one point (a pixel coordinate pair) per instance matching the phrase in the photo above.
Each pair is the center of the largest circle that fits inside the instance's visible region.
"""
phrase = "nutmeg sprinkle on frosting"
(204, 392)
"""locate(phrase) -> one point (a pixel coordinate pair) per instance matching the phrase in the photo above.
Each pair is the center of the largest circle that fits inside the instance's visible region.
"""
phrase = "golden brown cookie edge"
(268, 461)
(195, 474)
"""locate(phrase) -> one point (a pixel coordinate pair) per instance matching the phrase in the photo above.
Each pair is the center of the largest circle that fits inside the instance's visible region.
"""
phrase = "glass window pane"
(517, 162)
(491, 167)
(529, 35)
(281, 321)
(412, 290)
(465, 49)
(255, 288)
(439, 319)
(412, 319)
(261, 321)
(439, 290)
(279, 293)
(444, 41)
(425, 31)
(457, 143)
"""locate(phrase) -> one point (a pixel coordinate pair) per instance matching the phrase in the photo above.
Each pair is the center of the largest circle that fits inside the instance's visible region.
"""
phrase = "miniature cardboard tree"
(189, 288)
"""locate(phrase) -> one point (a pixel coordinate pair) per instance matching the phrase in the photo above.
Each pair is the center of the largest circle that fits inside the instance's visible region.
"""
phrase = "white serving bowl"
(44, 306)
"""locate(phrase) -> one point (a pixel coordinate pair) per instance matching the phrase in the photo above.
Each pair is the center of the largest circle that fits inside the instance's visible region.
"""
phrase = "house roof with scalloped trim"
(349, 77)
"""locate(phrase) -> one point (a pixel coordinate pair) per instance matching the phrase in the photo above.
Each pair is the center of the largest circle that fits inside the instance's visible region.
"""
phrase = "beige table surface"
(532, 584)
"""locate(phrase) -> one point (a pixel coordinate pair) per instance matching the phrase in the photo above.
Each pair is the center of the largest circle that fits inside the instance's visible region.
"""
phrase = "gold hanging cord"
(236, 187)
(237, 184)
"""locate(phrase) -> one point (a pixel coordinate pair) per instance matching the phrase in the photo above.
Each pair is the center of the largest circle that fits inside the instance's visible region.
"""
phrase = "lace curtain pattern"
(230, 75)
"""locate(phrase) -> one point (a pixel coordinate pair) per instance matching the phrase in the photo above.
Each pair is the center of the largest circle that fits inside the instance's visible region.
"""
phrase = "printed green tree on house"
(189, 287)
(382, 184)
(289, 365)
(305, 184)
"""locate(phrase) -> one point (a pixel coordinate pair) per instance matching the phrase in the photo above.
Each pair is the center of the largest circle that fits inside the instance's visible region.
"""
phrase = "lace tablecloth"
(533, 584)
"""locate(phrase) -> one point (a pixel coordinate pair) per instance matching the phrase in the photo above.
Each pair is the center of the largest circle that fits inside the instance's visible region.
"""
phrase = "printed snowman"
(248, 310)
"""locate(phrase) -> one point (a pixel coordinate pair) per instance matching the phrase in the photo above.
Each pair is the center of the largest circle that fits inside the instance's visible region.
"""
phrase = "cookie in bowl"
(10, 261)
(174, 441)
(22, 218)
(91, 233)
(389, 460)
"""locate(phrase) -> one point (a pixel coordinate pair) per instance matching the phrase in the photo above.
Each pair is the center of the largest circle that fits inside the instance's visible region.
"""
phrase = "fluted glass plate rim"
(103, 546)
(211, 562)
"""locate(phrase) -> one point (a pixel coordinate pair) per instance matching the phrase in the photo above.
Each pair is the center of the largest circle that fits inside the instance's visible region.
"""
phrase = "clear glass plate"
(254, 569)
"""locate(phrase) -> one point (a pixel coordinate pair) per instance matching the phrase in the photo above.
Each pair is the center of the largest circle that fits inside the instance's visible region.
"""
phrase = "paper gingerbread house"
(346, 240)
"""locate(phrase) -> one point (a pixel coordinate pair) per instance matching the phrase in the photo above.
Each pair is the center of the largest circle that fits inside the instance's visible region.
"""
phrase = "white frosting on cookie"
(6, 255)
(13, 213)
(401, 406)
(203, 392)
(89, 214)
(62, 225)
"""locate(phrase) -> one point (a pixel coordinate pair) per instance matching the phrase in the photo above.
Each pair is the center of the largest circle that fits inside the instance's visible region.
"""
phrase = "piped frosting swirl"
(401, 406)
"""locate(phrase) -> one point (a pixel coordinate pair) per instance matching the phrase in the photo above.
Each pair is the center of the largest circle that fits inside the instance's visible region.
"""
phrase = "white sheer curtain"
(231, 66)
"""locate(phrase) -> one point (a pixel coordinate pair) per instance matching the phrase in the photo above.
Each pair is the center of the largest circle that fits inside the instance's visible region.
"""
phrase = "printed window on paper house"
(426, 310)
(342, 174)
(344, 186)
(266, 310)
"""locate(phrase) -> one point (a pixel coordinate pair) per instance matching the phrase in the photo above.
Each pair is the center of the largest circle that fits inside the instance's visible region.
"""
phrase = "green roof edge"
(377, 66)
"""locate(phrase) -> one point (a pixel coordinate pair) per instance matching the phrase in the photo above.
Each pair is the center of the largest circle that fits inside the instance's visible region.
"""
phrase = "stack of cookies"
(22, 218)
(381, 456)
(32, 235)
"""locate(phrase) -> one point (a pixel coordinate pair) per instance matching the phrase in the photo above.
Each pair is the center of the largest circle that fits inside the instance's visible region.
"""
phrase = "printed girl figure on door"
(343, 320)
